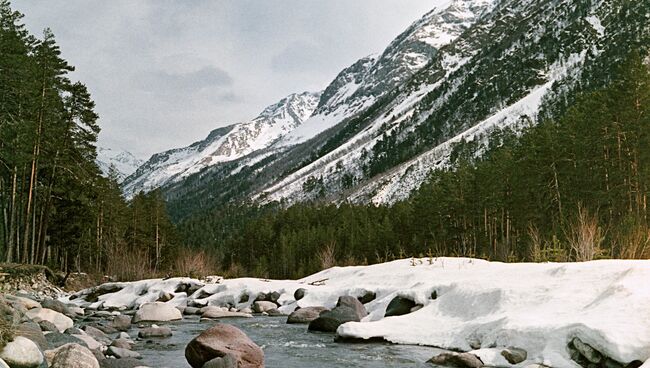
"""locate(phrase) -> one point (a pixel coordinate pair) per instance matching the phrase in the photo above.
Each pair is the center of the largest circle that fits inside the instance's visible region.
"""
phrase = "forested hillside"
(574, 188)
(55, 207)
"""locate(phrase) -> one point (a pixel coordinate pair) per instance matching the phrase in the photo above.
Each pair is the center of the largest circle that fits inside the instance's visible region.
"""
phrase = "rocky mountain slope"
(224, 144)
(123, 163)
(455, 76)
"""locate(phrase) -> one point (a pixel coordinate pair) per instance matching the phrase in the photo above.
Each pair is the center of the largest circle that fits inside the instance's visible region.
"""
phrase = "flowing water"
(285, 346)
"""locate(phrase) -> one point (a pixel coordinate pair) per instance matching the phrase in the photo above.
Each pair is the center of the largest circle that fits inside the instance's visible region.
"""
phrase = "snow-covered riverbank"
(466, 304)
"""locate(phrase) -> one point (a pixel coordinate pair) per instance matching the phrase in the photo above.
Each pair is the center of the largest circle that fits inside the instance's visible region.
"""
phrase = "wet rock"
(348, 309)
(299, 293)
(61, 321)
(155, 332)
(222, 341)
(274, 297)
(57, 339)
(121, 353)
(72, 356)
(122, 344)
(121, 323)
(399, 306)
(156, 312)
(261, 297)
(305, 315)
(514, 355)
(458, 360)
(22, 353)
(191, 311)
(434, 295)
(217, 313)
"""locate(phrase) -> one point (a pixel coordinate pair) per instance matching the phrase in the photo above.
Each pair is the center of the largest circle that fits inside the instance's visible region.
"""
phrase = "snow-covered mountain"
(123, 163)
(224, 144)
(460, 73)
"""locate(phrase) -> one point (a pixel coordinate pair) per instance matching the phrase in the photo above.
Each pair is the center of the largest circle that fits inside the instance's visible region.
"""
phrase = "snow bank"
(536, 307)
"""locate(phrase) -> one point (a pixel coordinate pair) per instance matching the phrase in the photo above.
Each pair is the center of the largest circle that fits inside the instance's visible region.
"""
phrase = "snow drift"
(468, 304)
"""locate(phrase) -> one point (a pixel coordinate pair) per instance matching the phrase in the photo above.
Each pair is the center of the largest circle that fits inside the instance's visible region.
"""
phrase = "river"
(285, 346)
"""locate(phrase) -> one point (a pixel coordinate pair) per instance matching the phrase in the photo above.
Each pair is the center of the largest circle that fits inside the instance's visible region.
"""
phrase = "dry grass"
(195, 264)
(327, 256)
(585, 236)
(634, 243)
(129, 265)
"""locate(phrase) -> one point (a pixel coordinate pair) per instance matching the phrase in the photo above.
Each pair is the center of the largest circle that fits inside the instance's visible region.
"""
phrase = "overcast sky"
(164, 73)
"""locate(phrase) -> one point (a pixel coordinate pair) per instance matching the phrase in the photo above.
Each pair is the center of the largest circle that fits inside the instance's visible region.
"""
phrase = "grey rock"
(514, 355)
(299, 293)
(155, 332)
(121, 353)
(458, 360)
(227, 361)
(399, 306)
(367, 297)
(191, 311)
(72, 356)
(121, 323)
(156, 312)
(73, 331)
(122, 343)
(274, 297)
(22, 353)
(348, 309)
(165, 297)
(120, 363)
(97, 334)
(305, 315)
(57, 339)
(587, 351)
(263, 306)
(32, 331)
(58, 306)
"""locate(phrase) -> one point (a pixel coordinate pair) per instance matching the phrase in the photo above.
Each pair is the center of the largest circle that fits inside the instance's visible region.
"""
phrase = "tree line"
(56, 208)
(571, 188)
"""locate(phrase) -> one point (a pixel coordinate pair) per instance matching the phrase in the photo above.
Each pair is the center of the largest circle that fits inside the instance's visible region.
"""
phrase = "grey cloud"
(206, 77)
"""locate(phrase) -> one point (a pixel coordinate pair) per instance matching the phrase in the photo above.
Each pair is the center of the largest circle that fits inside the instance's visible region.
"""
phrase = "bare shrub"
(128, 265)
(195, 264)
(234, 270)
(633, 242)
(585, 236)
(536, 243)
(327, 256)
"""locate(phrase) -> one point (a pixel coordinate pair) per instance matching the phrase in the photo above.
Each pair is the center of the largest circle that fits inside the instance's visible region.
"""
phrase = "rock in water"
(120, 363)
(121, 353)
(155, 332)
(399, 306)
(458, 360)
(61, 321)
(156, 312)
(514, 355)
(121, 323)
(226, 342)
(348, 309)
(22, 353)
(306, 315)
(71, 356)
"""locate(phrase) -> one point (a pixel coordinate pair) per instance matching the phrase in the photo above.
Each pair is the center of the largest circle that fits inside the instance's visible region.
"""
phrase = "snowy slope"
(123, 162)
(536, 307)
(224, 144)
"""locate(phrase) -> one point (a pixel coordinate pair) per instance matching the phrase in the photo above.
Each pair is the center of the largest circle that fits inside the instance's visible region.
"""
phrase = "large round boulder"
(22, 352)
(156, 312)
(121, 322)
(61, 321)
(305, 315)
(71, 356)
(263, 306)
(348, 309)
(226, 342)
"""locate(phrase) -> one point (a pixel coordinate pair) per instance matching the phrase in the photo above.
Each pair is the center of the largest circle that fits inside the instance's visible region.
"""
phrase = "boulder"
(122, 343)
(458, 360)
(156, 312)
(216, 313)
(275, 313)
(221, 341)
(57, 339)
(165, 297)
(121, 322)
(120, 363)
(227, 361)
(305, 315)
(22, 353)
(105, 328)
(190, 311)
(348, 309)
(73, 331)
(367, 297)
(89, 341)
(274, 297)
(155, 332)
(121, 353)
(514, 355)
(56, 305)
(246, 310)
(25, 302)
(47, 326)
(263, 306)
(299, 293)
(399, 306)
(32, 331)
(71, 356)
(61, 321)
(97, 334)
(244, 298)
